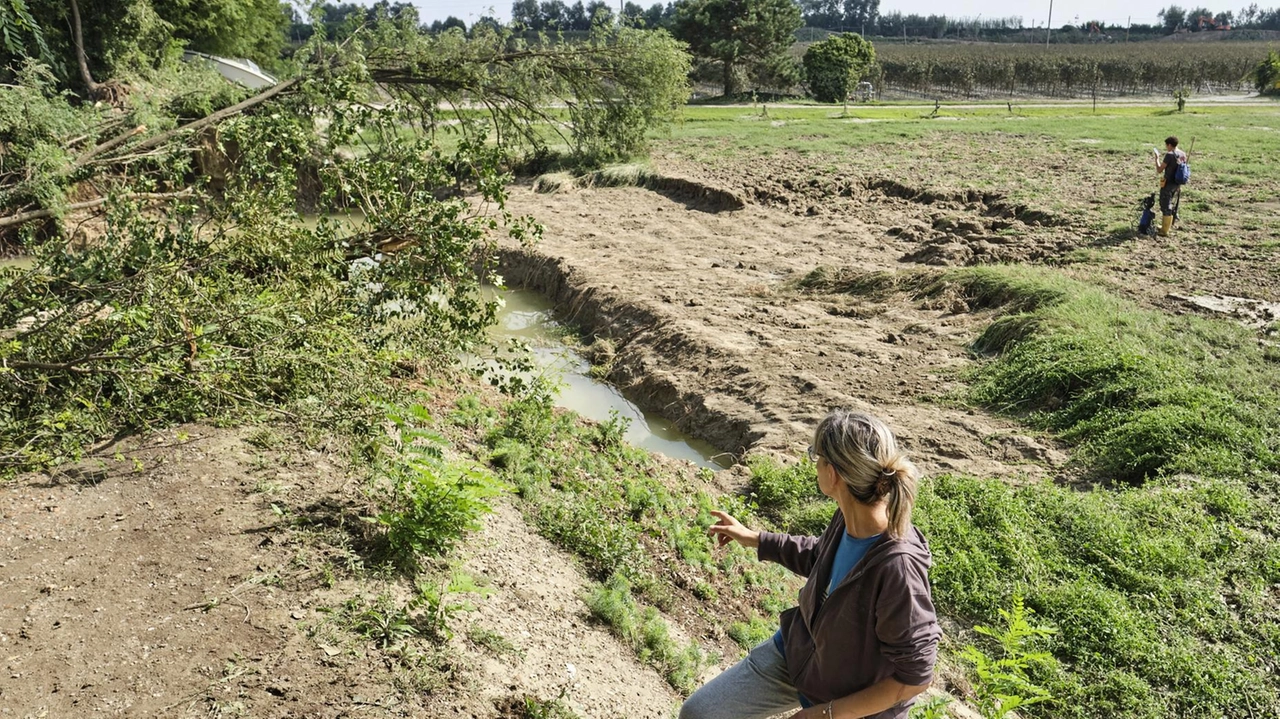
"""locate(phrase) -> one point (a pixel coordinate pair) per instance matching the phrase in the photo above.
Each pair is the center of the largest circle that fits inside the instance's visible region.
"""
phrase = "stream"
(529, 316)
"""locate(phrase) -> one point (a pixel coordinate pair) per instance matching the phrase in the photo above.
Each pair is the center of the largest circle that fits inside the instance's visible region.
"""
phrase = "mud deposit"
(710, 329)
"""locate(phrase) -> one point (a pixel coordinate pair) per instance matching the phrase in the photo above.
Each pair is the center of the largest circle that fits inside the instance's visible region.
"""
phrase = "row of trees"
(1200, 19)
(1068, 71)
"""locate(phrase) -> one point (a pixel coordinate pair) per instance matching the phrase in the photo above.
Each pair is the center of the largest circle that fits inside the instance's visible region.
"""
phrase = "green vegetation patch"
(1142, 393)
(637, 523)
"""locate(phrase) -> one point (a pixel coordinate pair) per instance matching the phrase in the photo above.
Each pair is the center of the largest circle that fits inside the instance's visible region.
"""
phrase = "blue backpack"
(1182, 173)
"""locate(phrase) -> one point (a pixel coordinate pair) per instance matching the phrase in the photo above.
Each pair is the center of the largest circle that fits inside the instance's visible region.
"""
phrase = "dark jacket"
(878, 622)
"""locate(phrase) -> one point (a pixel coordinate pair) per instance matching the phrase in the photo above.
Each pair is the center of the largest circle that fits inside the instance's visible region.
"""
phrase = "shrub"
(834, 65)
(1266, 76)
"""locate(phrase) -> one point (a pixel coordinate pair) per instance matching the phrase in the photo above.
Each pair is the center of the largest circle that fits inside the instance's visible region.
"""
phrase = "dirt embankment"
(710, 331)
(199, 573)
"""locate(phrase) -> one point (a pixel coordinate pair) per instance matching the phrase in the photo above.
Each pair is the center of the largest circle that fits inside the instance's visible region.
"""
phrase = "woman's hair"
(865, 455)
(1171, 141)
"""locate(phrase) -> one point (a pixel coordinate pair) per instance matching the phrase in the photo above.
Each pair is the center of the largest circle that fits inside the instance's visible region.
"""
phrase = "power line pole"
(1127, 27)
(1048, 26)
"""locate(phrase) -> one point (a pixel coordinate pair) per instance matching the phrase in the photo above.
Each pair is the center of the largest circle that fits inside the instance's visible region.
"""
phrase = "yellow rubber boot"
(1166, 223)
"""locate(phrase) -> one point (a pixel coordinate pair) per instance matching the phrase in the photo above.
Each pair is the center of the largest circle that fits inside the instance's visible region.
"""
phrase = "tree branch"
(24, 217)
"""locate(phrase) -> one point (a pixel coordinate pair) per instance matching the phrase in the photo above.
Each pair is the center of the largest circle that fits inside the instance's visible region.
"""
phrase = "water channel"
(529, 316)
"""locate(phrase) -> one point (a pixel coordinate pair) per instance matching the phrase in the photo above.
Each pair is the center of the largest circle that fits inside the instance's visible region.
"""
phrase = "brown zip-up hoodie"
(878, 622)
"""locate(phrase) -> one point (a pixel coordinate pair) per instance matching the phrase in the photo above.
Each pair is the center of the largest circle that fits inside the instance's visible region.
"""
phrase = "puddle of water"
(528, 316)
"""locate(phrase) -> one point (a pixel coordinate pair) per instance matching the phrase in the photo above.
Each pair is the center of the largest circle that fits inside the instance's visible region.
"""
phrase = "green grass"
(1143, 394)
(630, 520)
(643, 629)
(1035, 156)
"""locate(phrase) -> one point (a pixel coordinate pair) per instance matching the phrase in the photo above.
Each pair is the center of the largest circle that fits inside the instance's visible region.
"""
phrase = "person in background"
(863, 640)
(1167, 165)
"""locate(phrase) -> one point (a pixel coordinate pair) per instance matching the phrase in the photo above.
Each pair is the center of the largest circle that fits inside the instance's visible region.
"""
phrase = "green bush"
(833, 66)
(426, 503)
(1266, 76)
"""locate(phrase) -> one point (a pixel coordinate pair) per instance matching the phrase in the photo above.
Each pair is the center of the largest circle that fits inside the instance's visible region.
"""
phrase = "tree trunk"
(82, 60)
(730, 88)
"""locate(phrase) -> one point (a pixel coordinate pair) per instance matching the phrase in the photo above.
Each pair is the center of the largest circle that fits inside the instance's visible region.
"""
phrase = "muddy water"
(528, 316)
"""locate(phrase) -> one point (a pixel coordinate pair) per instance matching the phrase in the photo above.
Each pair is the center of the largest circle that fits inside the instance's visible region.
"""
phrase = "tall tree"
(554, 14)
(527, 14)
(737, 32)
(858, 14)
(233, 28)
(632, 15)
(1172, 18)
(599, 13)
(576, 16)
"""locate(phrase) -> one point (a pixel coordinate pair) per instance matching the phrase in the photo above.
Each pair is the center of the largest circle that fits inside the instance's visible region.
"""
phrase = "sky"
(1032, 14)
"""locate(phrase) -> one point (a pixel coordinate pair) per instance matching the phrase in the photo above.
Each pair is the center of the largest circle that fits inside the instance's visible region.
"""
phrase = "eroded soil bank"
(707, 326)
(204, 572)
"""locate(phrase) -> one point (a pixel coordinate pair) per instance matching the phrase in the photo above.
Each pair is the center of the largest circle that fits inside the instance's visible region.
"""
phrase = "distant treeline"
(864, 17)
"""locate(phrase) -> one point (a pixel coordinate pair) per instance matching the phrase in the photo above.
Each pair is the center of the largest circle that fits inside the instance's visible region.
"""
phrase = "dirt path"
(709, 332)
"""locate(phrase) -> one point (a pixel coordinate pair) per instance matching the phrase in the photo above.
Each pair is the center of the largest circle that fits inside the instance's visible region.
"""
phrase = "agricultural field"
(1010, 70)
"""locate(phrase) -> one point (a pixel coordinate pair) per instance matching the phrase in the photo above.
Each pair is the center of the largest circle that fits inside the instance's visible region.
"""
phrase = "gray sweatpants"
(755, 688)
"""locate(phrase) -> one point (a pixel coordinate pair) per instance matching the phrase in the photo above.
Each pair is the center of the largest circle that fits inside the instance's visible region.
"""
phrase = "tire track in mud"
(709, 332)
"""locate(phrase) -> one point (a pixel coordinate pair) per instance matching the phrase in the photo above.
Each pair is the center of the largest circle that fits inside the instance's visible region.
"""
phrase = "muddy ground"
(709, 328)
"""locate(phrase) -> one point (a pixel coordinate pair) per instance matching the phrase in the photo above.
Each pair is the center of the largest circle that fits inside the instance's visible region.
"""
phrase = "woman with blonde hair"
(863, 639)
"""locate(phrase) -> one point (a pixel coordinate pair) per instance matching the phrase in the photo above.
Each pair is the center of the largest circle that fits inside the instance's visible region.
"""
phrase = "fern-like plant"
(1004, 685)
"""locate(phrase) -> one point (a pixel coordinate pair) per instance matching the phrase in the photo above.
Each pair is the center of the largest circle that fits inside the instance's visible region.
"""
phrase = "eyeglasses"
(813, 456)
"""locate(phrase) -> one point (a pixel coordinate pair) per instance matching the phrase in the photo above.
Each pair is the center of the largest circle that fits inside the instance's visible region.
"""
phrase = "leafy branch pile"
(195, 302)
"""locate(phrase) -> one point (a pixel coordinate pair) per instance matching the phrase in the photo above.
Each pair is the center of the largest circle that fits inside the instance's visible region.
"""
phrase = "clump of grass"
(646, 631)
(876, 284)
(628, 175)
(789, 495)
(753, 631)
(553, 182)
(492, 641)
(1142, 393)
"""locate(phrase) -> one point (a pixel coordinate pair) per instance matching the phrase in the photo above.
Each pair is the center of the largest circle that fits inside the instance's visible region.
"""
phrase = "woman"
(864, 638)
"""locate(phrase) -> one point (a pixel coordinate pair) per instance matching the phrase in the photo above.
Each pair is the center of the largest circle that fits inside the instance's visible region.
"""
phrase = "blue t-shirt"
(848, 554)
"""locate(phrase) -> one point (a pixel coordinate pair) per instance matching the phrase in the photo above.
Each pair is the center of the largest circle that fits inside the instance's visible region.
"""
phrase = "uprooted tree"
(193, 301)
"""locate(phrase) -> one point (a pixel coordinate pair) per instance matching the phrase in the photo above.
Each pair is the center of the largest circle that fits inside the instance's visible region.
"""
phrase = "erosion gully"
(529, 316)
